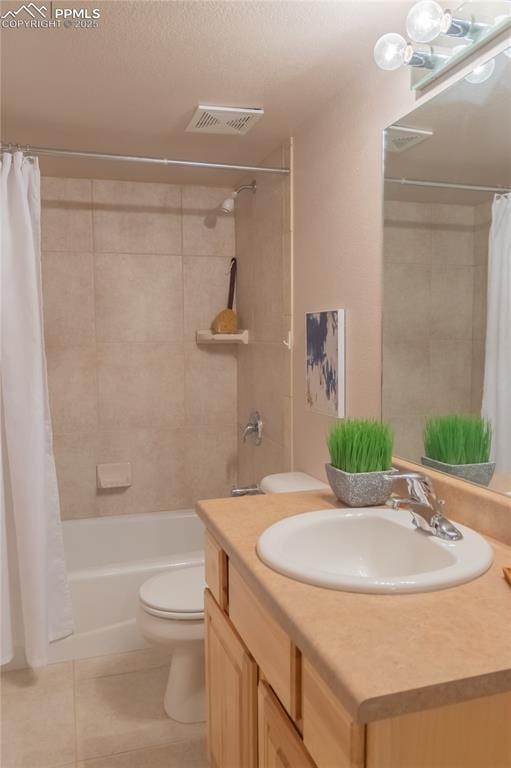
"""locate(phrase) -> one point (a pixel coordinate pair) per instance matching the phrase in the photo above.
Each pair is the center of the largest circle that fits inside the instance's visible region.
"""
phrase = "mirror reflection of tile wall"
(446, 166)
(434, 314)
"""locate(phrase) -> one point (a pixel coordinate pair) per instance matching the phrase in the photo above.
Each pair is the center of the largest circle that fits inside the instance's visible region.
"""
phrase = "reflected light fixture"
(479, 74)
(427, 20)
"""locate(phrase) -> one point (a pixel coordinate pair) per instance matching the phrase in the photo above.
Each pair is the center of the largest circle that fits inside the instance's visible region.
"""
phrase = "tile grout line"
(127, 672)
(176, 742)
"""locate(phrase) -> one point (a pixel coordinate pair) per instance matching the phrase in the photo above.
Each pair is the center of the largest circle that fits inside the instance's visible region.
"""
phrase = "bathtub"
(108, 558)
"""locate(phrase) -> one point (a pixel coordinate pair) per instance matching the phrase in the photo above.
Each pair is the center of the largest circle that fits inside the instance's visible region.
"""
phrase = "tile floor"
(104, 712)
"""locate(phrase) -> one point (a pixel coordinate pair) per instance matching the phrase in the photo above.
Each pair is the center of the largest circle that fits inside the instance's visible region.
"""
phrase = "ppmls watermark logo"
(32, 16)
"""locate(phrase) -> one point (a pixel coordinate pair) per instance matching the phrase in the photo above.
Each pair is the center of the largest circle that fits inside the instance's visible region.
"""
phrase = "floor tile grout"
(127, 672)
(174, 743)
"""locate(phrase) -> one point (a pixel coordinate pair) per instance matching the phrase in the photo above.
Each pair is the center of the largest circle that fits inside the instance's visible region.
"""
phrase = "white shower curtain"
(497, 369)
(36, 603)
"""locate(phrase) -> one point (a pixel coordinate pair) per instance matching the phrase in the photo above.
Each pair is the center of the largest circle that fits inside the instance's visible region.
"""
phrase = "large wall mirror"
(447, 278)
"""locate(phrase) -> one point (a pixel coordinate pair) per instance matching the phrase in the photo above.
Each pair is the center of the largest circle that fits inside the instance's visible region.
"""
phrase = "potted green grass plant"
(360, 461)
(459, 444)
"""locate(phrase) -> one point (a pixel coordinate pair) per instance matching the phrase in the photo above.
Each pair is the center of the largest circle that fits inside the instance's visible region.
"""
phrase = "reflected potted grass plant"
(360, 461)
(460, 445)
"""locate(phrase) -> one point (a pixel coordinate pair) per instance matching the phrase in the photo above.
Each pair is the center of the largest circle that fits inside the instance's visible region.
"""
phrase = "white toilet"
(171, 613)
(287, 482)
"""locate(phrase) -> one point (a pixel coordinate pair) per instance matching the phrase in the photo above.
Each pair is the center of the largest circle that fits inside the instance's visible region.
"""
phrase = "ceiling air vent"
(232, 121)
(399, 138)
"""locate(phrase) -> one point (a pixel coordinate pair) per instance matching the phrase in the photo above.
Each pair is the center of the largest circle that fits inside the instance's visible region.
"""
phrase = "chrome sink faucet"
(424, 506)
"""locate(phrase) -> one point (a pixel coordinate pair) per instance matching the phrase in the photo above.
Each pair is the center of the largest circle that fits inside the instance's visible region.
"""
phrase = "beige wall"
(337, 242)
(263, 247)
(130, 271)
(434, 317)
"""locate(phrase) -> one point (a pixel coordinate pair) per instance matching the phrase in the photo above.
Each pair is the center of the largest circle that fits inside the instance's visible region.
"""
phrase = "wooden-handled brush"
(226, 321)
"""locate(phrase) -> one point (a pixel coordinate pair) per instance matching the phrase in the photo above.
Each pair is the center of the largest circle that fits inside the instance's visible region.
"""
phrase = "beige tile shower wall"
(435, 260)
(130, 271)
(263, 246)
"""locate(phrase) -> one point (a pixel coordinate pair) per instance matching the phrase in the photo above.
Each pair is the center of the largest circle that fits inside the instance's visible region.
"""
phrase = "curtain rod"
(138, 159)
(447, 185)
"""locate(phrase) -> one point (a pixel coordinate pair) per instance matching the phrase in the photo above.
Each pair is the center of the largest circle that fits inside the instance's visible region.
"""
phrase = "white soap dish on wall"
(113, 475)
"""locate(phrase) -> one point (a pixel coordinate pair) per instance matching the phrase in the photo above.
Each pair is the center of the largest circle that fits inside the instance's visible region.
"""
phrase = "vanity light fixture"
(427, 20)
(392, 51)
(389, 51)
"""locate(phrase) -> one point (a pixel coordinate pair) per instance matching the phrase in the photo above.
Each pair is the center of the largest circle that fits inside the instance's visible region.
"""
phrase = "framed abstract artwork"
(325, 361)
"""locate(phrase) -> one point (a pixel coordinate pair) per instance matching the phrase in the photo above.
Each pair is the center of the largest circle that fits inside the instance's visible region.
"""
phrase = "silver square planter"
(476, 473)
(359, 489)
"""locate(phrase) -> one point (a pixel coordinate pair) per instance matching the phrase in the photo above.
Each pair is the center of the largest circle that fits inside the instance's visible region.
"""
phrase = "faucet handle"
(259, 428)
(254, 427)
(419, 486)
(405, 476)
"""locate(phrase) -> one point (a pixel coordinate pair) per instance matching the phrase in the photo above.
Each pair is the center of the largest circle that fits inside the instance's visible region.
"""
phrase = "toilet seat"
(176, 594)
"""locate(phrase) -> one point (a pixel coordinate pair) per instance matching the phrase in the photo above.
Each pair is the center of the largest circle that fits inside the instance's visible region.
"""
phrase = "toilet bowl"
(171, 613)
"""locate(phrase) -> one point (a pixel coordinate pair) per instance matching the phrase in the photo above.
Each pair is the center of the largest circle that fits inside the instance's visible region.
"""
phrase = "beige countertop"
(382, 655)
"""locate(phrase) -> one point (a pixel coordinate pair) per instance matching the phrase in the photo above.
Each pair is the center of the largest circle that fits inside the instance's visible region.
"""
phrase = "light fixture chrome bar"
(139, 159)
(413, 57)
(453, 27)
(447, 185)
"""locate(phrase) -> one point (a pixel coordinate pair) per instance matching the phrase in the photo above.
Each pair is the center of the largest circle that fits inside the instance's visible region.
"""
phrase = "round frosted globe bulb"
(424, 21)
(481, 73)
(389, 51)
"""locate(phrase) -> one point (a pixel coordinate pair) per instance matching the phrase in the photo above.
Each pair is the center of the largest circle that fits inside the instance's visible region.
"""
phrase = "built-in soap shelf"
(208, 337)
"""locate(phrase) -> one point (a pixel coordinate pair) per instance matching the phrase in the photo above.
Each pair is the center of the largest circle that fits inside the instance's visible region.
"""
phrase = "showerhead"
(227, 205)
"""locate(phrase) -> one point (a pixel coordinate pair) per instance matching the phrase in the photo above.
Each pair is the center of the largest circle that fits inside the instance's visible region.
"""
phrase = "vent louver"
(399, 138)
(232, 121)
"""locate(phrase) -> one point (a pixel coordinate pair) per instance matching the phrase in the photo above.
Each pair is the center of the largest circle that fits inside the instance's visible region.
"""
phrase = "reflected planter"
(360, 489)
(476, 473)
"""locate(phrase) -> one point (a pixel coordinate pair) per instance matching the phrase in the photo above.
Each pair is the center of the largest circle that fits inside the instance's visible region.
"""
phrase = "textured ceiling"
(131, 86)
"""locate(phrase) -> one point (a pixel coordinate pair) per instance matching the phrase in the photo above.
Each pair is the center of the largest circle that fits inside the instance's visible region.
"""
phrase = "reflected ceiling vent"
(233, 121)
(399, 138)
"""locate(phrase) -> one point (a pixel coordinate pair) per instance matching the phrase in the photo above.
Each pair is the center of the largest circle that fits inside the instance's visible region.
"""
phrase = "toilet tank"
(287, 482)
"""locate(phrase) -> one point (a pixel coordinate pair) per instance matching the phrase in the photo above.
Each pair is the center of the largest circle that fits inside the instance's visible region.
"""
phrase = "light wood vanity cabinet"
(280, 745)
(269, 645)
(269, 708)
(231, 693)
(328, 732)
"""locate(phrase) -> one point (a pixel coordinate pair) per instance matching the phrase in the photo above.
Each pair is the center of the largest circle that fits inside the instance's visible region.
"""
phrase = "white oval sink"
(373, 549)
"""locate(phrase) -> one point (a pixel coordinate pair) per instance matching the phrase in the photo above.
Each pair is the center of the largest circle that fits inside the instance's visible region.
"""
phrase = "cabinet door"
(231, 690)
(280, 746)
